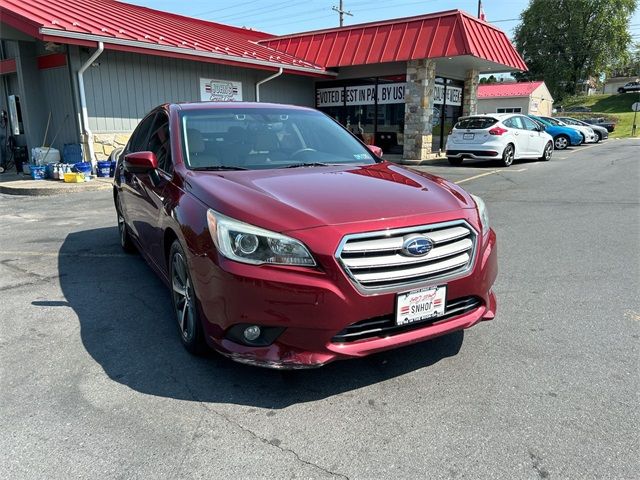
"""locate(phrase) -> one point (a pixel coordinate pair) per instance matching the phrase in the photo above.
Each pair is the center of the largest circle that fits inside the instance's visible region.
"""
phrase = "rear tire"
(126, 242)
(599, 137)
(455, 161)
(547, 152)
(185, 303)
(508, 154)
(561, 142)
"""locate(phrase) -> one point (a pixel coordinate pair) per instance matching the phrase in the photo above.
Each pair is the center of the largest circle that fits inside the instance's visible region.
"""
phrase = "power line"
(256, 11)
(239, 5)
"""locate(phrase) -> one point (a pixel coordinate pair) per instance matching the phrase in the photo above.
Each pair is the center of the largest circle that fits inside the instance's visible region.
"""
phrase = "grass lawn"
(613, 107)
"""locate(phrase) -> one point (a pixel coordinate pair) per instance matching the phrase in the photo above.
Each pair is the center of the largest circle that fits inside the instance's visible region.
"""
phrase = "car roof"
(497, 116)
(230, 105)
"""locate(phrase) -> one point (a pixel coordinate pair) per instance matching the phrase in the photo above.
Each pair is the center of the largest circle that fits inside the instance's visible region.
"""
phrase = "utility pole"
(342, 12)
(479, 8)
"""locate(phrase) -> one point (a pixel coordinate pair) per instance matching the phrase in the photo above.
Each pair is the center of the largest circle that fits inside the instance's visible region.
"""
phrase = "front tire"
(599, 137)
(455, 161)
(185, 303)
(547, 152)
(508, 154)
(561, 142)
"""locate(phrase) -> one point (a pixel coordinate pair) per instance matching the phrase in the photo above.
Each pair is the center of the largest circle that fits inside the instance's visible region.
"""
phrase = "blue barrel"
(72, 153)
(83, 167)
(48, 171)
(104, 168)
(37, 172)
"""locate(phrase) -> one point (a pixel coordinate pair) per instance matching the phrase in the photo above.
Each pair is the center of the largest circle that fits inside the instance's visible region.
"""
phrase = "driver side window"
(529, 124)
(160, 142)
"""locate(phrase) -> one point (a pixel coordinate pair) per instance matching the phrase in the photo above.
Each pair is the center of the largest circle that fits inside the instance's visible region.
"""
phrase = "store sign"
(212, 90)
(454, 95)
(360, 95)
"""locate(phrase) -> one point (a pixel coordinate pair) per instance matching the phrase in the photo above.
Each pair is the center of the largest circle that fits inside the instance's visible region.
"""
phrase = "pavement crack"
(253, 434)
(536, 461)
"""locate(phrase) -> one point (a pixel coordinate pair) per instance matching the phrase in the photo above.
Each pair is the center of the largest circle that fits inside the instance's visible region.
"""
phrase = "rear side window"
(476, 123)
(138, 140)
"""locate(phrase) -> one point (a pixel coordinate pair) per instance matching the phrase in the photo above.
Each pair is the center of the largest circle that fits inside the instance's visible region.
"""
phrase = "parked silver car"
(601, 132)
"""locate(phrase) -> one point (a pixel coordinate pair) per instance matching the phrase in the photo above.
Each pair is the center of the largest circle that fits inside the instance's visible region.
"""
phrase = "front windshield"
(265, 138)
(540, 120)
(553, 121)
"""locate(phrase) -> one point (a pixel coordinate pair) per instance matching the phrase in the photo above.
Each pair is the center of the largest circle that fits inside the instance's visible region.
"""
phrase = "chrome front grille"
(375, 261)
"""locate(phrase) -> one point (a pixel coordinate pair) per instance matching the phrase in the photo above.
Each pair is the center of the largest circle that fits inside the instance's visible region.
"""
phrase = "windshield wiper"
(217, 167)
(310, 164)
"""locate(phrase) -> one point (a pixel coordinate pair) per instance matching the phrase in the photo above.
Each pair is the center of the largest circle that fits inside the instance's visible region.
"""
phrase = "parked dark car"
(286, 242)
(577, 108)
(629, 87)
(600, 121)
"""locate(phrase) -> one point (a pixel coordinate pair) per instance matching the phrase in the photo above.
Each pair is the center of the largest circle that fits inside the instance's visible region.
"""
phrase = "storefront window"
(372, 108)
(447, 108)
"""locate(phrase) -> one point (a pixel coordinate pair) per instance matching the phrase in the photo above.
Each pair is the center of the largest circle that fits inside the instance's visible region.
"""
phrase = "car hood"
(292, 199)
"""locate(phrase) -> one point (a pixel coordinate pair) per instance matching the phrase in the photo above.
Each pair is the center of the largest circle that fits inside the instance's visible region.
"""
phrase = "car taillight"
(497, 131)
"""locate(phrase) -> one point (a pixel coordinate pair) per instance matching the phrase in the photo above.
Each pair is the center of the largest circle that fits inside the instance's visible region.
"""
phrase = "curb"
(50, 191)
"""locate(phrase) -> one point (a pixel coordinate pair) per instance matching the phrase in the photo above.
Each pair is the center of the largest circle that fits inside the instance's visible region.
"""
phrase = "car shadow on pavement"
(127, 326)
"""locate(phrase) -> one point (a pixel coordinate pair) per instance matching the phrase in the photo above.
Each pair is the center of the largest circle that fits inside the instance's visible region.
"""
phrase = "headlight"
(249, 244)
(484, 214)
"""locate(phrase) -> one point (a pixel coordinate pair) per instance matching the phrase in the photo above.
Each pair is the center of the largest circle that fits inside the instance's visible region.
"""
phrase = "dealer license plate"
(419, 305)
(468, 136)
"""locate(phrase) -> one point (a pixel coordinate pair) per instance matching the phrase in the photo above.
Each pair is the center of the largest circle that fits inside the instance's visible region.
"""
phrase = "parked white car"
(588, 134)
(504, 136)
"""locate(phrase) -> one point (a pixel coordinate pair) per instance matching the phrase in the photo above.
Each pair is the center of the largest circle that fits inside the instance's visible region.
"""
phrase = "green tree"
(566, 41)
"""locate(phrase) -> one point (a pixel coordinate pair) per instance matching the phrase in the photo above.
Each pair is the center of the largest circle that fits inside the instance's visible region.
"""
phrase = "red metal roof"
(127, 27)
(444, 34)
(513, 89)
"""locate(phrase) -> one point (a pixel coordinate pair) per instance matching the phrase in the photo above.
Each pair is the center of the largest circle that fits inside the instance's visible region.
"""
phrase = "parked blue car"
(562, 136)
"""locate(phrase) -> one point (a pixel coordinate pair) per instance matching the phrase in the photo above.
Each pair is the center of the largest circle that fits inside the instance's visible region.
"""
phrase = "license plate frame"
(468, 136)
(428, 302)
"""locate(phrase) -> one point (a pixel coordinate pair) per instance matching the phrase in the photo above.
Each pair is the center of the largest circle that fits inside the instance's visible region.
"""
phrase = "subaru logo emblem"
(416, 245)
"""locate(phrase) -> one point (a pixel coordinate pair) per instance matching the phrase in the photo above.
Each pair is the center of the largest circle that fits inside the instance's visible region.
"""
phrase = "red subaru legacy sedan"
(288, 243)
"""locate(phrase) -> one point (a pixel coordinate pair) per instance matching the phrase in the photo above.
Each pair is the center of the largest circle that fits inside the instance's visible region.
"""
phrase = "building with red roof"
(90, 69)
(515, 97)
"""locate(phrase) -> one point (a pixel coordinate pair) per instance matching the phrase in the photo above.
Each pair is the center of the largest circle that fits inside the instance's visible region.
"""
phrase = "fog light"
(252, 333)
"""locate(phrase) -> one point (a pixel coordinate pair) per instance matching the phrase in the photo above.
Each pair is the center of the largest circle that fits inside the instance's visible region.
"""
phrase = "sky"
(290, 16)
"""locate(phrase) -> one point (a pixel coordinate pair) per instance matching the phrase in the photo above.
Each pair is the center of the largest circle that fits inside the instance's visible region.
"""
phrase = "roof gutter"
(265, 80)
(83, 102)
(53, 32)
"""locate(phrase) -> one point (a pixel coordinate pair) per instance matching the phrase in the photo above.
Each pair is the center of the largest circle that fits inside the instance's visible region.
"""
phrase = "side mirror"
(377, 151)
(140, 162)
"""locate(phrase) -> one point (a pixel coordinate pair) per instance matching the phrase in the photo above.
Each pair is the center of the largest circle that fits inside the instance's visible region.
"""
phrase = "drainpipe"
(83, 102)
(268, 79)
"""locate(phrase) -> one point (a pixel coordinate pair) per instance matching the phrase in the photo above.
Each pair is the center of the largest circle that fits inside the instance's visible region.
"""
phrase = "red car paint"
(317, 206)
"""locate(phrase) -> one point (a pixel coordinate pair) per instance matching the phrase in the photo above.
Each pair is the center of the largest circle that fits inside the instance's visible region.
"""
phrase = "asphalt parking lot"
(95, 384)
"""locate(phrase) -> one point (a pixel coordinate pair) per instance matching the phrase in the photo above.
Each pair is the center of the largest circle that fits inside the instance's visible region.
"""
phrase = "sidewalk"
(18, 184)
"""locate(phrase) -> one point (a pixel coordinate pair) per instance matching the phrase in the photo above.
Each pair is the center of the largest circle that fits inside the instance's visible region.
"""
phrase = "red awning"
(446, 34)
(127, 27)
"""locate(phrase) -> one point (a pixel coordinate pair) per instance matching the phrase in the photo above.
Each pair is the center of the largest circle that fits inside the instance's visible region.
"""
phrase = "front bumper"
(315, 305)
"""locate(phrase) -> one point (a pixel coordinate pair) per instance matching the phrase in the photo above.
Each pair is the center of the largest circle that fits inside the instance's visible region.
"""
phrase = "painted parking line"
(585, 147)
(485, 174)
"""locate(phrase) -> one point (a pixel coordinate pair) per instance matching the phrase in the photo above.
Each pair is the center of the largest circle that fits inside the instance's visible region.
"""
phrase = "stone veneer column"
(418, 111)
(470, 95)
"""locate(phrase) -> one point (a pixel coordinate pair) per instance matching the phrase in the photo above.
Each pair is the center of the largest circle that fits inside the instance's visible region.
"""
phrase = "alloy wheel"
(548, 151)
(183, 297)
(561, 143)
(508, 155)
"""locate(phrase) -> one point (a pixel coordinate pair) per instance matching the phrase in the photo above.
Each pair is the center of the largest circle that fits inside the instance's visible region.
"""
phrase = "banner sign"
(390, 93)
(454, 95)
(212, 90)
(360, 95)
